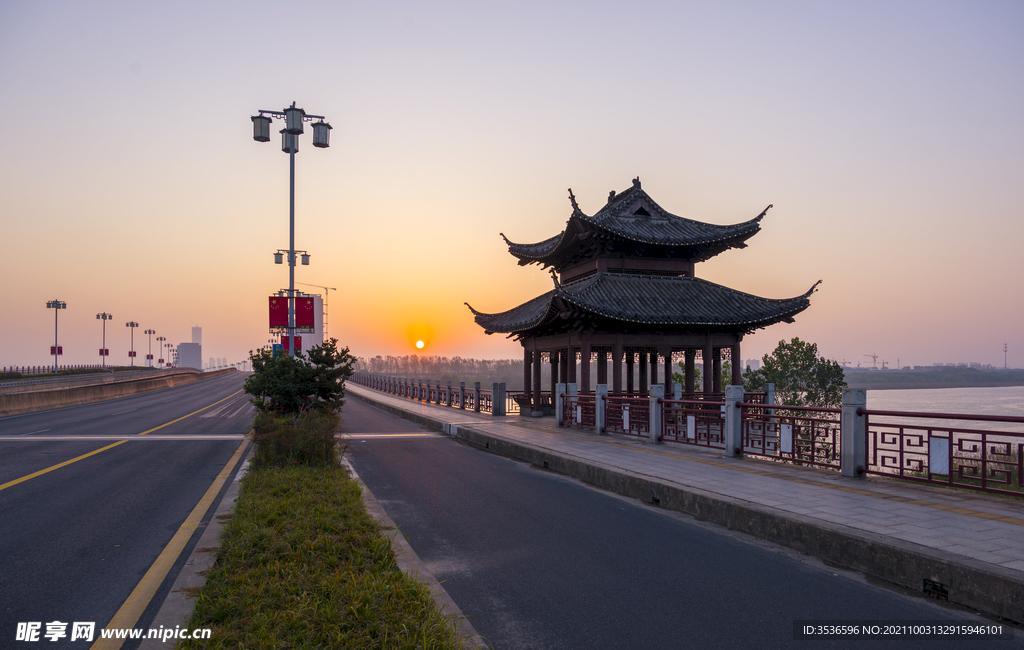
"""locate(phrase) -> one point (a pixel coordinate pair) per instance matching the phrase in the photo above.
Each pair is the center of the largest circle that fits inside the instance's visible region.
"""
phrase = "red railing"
(579, 411)
(693, 422)
(953, 455)
(798, 434)
(629, 416)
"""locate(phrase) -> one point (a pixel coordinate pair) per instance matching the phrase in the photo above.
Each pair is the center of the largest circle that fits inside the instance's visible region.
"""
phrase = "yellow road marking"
(93, 453)
(58, 466)
(130, 612)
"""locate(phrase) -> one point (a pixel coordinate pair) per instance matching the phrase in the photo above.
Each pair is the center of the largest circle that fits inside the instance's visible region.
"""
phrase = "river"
(1000, 400)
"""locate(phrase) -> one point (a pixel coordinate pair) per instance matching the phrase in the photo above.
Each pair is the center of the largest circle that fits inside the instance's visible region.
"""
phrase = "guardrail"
(798, 434)
(96, 379)
(579, 411)
(477, 399)
(628, 416)
(954, 455)
(694, 422)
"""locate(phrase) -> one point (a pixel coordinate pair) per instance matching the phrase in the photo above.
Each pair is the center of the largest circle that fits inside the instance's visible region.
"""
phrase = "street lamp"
(293, 118)
(149, 357)
(168, 346)
(132, 324)
(104, 352)
(56, 350)
(159, 341)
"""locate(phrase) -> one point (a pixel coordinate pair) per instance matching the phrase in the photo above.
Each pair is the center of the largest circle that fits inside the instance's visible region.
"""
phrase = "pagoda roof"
(648, 302)
(633, 217)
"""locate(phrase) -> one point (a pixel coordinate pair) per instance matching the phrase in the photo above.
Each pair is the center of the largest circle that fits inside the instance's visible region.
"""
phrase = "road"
(536, 560)
(76, 540)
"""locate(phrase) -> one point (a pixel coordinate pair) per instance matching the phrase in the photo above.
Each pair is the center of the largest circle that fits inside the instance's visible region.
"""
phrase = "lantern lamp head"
(278, 258)
(305, 259)
(261, 128)
(321, 134)
(289, 142)
(293, 119)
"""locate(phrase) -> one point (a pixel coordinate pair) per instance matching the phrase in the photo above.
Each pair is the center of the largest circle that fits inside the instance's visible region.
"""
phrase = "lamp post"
(56, 306)
(168, 346)
(132, 324)
(293, 118)
(104, 352)
(159, 345)
(149, 357)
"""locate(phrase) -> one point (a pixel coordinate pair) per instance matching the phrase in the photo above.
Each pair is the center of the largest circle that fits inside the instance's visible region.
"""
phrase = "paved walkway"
(966, 532)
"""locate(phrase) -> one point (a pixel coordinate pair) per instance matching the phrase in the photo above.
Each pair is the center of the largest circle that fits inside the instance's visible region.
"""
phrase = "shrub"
(308, 439)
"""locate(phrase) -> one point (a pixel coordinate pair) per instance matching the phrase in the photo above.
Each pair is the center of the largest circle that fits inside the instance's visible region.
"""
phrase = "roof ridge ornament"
(636, 182)
(554, 277)
(572, 199)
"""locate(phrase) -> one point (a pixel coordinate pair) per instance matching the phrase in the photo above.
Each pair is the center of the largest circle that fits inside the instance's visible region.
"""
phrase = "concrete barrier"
(44, 400)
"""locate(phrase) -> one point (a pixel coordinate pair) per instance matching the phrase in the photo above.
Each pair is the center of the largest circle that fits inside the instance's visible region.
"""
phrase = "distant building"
(197, 335)
(975, 364)
(190, 355)
(753, 364)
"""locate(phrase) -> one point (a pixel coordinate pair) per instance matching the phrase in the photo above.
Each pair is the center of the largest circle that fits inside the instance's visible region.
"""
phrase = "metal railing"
(579, 411)
(630, 416)
(953, 455)
(477, 400)
(693, 422)
(797, 434)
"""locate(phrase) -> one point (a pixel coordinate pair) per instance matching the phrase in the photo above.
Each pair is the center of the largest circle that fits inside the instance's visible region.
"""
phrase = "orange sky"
(887, 135)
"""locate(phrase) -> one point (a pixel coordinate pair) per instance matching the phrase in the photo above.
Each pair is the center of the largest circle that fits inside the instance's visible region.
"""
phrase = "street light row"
(56, 350)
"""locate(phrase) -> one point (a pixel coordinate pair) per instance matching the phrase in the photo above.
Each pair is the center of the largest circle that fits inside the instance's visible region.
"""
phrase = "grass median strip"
(302, 565)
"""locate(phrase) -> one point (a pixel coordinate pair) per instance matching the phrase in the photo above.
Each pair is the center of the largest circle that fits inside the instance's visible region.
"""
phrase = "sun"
(419, 345)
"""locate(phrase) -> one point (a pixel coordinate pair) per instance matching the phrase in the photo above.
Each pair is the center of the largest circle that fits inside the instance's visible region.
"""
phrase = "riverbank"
(937, 378)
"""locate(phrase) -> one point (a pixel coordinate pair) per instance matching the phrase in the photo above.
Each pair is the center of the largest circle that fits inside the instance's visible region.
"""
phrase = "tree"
(294, 385)
(801, 377)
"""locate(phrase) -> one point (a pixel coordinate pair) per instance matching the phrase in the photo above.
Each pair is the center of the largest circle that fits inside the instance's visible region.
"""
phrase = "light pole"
(132, 324)
(104, 352)
(159, 342)
(149, 357)
(168, 346)
(56, 306)
(293, 118)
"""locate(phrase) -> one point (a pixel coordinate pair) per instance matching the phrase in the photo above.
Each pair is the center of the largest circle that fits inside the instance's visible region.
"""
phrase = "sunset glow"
(887, 136)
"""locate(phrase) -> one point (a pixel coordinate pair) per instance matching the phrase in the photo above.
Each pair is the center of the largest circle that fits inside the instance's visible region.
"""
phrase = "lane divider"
(101, 449)
(132, 609)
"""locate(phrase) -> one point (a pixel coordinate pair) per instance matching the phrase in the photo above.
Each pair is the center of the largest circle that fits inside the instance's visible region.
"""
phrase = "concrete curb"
(411, 564)
(985, 588)
(178, 606)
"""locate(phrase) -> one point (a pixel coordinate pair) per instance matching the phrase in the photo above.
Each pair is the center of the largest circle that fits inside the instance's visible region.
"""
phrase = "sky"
(889, 136)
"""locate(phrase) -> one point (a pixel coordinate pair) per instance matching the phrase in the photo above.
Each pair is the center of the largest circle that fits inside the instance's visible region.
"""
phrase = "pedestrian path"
(951, 541)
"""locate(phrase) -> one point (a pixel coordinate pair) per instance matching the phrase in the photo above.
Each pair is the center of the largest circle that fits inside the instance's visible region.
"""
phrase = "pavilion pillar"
(585, 366)
(617, 366)
(737, 365)
(642, 370)
(690, 363)
(570, 359)
(668, 371)
(563, 367)
(654, 368)
(536, 385)
(706, 355)
(602, 367)
(553, 357)
(629, 372)
(527, 377)
(717, 362)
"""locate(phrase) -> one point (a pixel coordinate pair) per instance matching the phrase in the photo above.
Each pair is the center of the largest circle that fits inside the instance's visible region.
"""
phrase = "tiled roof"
(649, 301)
(633, 215)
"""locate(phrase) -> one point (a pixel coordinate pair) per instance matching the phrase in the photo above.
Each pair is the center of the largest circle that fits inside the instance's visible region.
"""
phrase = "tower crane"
(874, 360)
(327, 292)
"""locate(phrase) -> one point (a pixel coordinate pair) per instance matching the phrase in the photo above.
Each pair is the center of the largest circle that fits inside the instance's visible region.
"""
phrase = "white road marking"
(238, 436)
(392, 435)
(31, 432)
(128, 411)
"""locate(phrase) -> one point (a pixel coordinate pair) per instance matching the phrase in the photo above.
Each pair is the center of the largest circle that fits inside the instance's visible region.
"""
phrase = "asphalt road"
(536, 560)
(75, 541)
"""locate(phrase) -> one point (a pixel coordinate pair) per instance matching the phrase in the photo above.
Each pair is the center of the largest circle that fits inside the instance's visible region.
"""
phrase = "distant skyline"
(888, 136)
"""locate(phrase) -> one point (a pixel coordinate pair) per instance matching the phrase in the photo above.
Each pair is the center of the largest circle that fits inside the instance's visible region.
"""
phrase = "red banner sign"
(304, 313)
(131, 353)
(104, 352)
(278, 311)
(57, 350)
(298, 343)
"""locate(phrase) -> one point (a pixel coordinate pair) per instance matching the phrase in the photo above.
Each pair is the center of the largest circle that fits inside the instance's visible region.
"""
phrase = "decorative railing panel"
(579, 411)
(693, 422)
(628, 416)
(797, 434)
(962, 454)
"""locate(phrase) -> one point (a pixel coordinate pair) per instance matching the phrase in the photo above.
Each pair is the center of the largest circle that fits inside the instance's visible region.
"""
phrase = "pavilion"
(625, 288)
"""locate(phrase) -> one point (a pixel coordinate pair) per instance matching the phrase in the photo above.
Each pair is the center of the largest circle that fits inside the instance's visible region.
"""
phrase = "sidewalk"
(958, 545)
